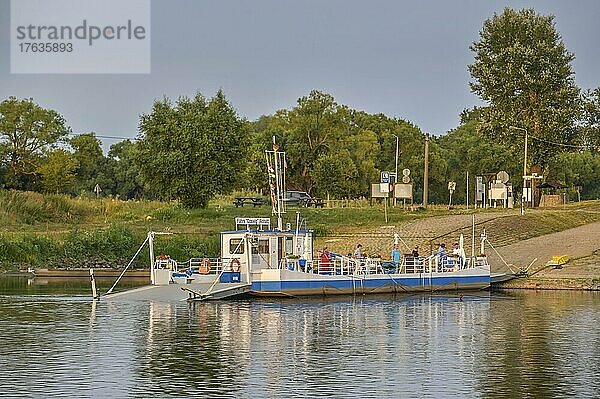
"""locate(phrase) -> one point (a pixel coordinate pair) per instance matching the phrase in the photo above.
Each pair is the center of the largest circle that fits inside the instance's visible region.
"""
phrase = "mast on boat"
(276, 169)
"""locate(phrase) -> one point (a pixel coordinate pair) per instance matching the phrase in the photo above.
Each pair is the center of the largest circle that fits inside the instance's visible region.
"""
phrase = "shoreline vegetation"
(56, 231)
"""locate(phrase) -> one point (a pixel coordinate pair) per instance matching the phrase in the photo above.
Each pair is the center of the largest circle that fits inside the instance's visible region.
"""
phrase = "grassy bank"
(54, 230)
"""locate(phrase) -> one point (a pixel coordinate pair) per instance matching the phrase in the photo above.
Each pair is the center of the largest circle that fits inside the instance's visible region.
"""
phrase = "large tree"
(123, 171)
(27, 131)
(191, 150)
(589, 127)
(58, 171)
(522, 71)
(309, 130)
(327, 143)
(91, 161)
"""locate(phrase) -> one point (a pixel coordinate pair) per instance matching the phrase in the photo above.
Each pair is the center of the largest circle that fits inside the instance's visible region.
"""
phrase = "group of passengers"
(354, 259)
(457, 256)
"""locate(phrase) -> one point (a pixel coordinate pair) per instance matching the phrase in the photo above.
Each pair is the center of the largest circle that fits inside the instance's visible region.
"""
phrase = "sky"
(406, 59)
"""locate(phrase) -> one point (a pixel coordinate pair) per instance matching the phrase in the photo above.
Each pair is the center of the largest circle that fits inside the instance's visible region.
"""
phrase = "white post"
(385, 208)
(248, 250)
(524, 170)
(483, 237)
(473, 238)
(467, 201)
(93, 282)
(151, 248)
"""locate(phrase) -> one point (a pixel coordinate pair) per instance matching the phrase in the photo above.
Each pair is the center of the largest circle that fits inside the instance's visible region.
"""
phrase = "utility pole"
(524, 172)
(396, 172)
(426, 172)
(467, 201)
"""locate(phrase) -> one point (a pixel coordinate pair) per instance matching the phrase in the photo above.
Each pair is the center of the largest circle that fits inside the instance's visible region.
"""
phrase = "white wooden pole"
(93, 282)
(467, 201)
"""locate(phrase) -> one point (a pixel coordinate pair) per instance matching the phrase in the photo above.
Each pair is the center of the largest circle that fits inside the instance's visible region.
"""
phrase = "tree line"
(192, 149)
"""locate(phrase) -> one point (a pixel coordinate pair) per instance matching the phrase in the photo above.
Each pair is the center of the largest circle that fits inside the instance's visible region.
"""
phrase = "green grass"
(54, 230)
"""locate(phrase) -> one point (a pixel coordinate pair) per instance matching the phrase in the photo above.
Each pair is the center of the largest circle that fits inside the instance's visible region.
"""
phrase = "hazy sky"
(403, 58)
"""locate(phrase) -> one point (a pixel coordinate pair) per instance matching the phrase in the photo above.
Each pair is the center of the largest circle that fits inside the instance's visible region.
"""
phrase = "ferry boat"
(273, 262)
(260, 260)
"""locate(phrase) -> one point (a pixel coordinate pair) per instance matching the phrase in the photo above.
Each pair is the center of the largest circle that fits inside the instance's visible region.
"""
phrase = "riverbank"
(60, 232)
(538, 283)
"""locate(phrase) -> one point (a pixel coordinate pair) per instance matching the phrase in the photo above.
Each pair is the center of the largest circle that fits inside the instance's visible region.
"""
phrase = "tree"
(466, 150)
(335, 175)
(522, 70)
(319, 132)
(91, 161)
(58, 171)
(589, 127)
(308, 131)
(193, 150)
(27, 131)
(125, 174)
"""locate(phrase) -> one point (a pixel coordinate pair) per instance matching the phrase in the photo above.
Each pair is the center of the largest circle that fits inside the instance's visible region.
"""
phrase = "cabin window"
(236, 246)
(289, 245)
(261, 248)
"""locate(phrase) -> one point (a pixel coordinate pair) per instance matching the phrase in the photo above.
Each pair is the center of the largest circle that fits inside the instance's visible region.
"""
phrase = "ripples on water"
(526, 345)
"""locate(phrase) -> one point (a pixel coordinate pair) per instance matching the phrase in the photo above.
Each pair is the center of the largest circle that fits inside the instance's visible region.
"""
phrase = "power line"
(581, 147)
(104, 137)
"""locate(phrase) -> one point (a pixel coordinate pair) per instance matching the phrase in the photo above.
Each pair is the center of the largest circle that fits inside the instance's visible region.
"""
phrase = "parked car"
(299, 198)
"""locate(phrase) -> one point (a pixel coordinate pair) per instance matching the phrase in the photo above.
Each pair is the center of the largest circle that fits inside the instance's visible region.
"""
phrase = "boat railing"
(343, 265)
(450, 263)
(413, 264)
(200, 265)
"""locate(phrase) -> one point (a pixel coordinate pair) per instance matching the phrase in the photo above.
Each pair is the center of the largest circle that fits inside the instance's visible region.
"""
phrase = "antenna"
(276, 169)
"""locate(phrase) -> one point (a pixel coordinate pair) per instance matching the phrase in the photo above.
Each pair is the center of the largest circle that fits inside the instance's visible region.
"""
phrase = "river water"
(55, 342)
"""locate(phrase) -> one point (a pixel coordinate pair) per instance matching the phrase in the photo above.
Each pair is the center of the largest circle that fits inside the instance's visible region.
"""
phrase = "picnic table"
(316, 202)
(255, 201)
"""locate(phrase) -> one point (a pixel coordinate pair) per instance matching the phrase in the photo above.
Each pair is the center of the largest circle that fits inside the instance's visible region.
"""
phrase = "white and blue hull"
(282, 282)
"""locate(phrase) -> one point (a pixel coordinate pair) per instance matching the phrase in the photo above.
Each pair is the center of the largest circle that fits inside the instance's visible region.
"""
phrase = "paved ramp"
(575, 243)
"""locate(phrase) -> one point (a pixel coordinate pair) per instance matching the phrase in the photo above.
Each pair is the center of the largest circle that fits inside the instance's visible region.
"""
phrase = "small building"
(553, 194)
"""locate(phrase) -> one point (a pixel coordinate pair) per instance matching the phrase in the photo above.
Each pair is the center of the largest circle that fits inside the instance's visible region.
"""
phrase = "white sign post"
(451, 188)
(385, 188)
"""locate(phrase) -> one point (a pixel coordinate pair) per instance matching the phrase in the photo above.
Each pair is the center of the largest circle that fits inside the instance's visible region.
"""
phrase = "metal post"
(396, 175)
(93, 282)
(524, 171)
(467, 201)
(426, 172)
(473, 238)
(385, 208)
(151, 248)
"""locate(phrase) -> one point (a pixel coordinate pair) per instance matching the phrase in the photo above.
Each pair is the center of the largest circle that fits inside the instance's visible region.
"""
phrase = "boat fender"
(204, 266)
(235, 265)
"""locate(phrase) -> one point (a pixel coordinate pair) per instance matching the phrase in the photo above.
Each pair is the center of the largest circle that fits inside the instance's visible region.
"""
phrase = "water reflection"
(498, 345)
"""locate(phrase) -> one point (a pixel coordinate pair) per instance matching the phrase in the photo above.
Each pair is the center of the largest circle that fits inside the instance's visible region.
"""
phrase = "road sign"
(376, 191)
(502, 176)
(405, 179)
(405, 172)
(403, 191)
(385, 177)
(451, 186)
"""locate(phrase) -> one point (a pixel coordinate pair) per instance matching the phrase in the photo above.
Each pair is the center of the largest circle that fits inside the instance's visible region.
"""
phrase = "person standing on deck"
(441, 253)
(415, 252)
(396, 257)
(325, 261)
(358, 254)
(457, 253)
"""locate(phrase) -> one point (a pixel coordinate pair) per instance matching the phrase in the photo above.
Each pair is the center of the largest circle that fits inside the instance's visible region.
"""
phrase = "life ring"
(236, 262)
(204, 266)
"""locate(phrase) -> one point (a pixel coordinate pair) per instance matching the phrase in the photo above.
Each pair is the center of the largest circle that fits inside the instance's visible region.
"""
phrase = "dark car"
(299, 198)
